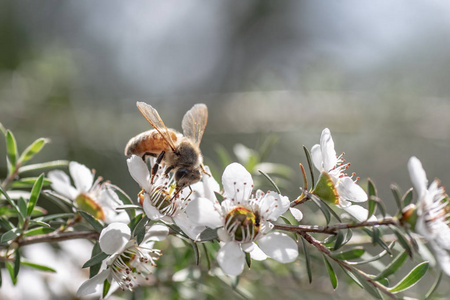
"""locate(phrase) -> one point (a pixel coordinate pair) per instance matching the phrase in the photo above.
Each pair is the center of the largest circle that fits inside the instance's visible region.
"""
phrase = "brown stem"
(57, 237)
(310, 239)
(333, 228)
(10, 178)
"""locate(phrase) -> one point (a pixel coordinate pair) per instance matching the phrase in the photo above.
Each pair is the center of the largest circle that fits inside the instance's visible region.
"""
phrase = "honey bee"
(179, 152)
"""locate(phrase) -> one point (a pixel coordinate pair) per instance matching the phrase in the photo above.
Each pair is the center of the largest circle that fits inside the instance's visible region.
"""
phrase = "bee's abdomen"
(148, 142)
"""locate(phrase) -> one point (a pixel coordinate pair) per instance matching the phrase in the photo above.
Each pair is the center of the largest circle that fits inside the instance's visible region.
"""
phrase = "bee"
(179, 152)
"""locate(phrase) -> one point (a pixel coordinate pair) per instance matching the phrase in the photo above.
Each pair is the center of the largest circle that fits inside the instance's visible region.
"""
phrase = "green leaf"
(373, 258)
(434, 287)
(372, 191)
(11, 202)
(271, 181)
(208, 260)
(248, 259)
(219, 197)
(28, 182)
(91, 220)
(10, 268)
(16, 263)
(31, 150)
(106, 287)
(393, 266)
(402, 240)
(35, 192)
(377, 241)
(22, 204)
(11, 150)
(208, 235)
(39, 230)
(2, 129)
(307, 260)
(331, 273)
(323, 209)
(125, 199)
(339, 240)
(411, 279)
(397, 197)
(96, 259)
(407, 197)
(350, 254)
(10, 235)
(94, 269)
(37, 266)
(311, 172)
(139, 229)
(352, 277)
(368, 287)
(224, 157)
(196, 252)
(44, 166)
(53, 217)
(6, 224)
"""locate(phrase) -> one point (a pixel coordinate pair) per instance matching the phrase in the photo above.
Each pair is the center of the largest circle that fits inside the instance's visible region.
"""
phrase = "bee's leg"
(146, 154)
(204, 170)
(156, 165)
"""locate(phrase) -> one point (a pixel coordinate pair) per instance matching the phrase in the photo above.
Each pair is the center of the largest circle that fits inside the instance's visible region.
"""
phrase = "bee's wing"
(154, 119)
(194, 123)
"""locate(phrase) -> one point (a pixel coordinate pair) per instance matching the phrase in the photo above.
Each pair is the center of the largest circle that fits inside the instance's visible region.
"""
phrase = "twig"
(57, 237)
(345, 265)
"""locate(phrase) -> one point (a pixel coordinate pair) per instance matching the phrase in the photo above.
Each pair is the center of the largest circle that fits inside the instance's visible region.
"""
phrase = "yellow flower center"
(87, 204)
(243, 223)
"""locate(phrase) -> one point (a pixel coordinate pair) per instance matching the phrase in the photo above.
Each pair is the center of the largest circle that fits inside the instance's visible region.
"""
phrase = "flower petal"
(296, 213)
(442, 257)
(93, 285)
(139, 171)
(192, 229)
(359, 213)
(257, 253)
(82, 176)
(316, 157)
(157, 232)
(273, 205)
(418, 176)
(328, 152)
(237, 182)
(114, 237)
(61, 184)
(231, 258)
(279, 246)
(151, 211)
(350, 191)
(203, 212)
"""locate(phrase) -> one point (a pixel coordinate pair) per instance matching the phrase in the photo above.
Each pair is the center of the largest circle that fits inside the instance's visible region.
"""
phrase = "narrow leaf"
(106, 287)
(248, 259)
(96, 259)
(208, 235)
(331, 273)
(434, 287)
(44, 166)
(53, 217)
(28, 183)
(94, 269)
(402, 240)
(393, 266)
(40, 230)
(35, 192)
(271, 181)
(10, 268)
(31, 150)
(11, 150)
(196, 252)
(223, 155)
(407, 197)
(373, 258)
(37, 266)
(91, 220)
(339, 240)
(397, 197)
(309, 160)
(412, 278)
(11, 202)
(10, 235)
(352, 276)
(350, 254)
(371, 189)
(307, 260)
(208, 260)
(16, 263)
(323, 209)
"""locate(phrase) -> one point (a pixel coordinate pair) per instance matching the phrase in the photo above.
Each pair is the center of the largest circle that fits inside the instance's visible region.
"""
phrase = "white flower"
(242, 220)
(161, 200)
(128, 263)
(432, 213)
(343, 190)
(93, 197)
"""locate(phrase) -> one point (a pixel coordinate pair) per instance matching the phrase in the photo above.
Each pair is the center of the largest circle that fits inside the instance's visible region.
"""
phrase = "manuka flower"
(432, 213)
(159, 197)
(334, 185)
(128, 263)
(96, 198)
(243, 219)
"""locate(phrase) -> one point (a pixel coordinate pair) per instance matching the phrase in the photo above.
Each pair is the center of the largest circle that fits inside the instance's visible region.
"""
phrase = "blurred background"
(375, 73)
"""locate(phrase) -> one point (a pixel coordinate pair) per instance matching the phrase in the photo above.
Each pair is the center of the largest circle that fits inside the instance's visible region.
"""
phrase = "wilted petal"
(418, 176)
(93, 285)
(328, 152)
(350, 191)
(279, 246)
(82, 176)
(114, 237)
(237, 182)
(231, 258)
(192, 229)
(61, 184)
(203, 212)
(139, 171)
(296, 213)
(316, 157)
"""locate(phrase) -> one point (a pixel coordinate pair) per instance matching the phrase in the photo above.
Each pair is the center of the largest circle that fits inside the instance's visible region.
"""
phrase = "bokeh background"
(376, 73)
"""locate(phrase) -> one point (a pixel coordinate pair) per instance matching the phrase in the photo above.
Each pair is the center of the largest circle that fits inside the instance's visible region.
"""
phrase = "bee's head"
(185, 177)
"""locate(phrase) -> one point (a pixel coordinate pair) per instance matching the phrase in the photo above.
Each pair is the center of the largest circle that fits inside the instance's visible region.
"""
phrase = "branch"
(57, 237)
(345, 265)
(333, 228)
